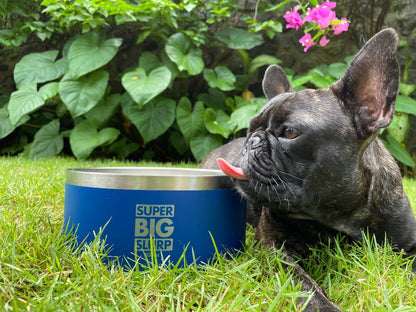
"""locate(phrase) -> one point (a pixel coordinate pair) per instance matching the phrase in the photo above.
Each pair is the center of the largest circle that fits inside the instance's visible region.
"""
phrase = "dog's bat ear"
(275, 82)
(369, 87)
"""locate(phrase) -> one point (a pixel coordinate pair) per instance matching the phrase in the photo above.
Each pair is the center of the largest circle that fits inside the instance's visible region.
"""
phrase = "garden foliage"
(176, 95)
(167, 81)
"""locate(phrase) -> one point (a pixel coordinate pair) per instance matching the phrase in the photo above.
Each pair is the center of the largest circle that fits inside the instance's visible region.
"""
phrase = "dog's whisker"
(268, 193)
(284, 184)
(291, 176)
(275, 190)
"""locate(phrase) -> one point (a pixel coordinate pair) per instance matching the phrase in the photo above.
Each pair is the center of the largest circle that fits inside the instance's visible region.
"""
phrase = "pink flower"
(322, 14)
(293, 19)
(330, 4)
(340, 27)
(306, 41)
(324, 41)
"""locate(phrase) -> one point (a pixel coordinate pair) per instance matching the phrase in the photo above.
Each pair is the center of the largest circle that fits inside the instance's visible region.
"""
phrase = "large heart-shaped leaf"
(85, 137)
(90, 52)
(27, 99)
(201, 145)
(220, 77)
(214, 99)
(6, 126)
(47, 142)
(180, 50)
(217, 122)
(24, 101)
(143, 88)
(153, 119)
(149, 61)
(236, 38)
(39, 67)
(49, 90)
(104, 110)
(83, 94)
(241, 117)
(190, 122)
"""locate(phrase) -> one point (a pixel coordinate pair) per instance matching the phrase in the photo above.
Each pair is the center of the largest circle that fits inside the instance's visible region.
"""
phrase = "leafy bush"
(135, 79)
(85, 95)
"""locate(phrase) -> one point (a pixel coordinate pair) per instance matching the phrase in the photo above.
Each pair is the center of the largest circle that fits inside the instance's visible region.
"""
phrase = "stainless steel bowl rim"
(148, 178)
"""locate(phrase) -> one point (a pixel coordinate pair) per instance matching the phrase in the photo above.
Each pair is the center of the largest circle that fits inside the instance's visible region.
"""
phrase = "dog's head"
(304, 147)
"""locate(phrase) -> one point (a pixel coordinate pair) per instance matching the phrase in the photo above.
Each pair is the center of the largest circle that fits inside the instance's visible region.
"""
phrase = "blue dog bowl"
(155, 214)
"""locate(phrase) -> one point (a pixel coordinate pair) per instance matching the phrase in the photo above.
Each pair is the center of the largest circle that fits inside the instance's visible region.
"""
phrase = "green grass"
(39, 272)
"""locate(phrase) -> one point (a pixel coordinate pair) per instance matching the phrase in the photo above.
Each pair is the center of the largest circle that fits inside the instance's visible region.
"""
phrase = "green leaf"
(90, 52)
(47, 141)
(39, 68)
(143, 88)
(49, 90)
(153, 119)
(300, 80)
(190, 122)
(245, 56)
(262, 60)
(169, 64)
(142, 36)
(348, 59)
(278, 6)
(83, 94)
(27, 99)
(406, 89)
(201, 145)
(214, 98)
(405, 104)
(123, 148)
(24, 101)
(241, 117)
(337, 70)
(6, 126)
(85, 137)
(178, 142)
(149, 61)
(180, 50)
(236, 38)
(104, 110)
(398, 151)
(220, 77)
(216, 122)
(399, 127)
(320, 79)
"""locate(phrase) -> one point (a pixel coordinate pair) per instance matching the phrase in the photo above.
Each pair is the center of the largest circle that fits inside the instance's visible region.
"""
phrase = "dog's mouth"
(230, 170)
(259, 184)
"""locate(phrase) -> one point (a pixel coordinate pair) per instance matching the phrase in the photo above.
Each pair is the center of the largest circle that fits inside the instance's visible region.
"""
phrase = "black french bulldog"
(312, 166)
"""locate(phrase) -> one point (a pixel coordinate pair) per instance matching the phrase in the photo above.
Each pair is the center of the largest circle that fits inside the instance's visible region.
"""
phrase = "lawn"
(39, 272)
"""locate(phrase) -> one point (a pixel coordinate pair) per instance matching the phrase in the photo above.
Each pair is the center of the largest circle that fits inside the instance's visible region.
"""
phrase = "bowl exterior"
(157, 225)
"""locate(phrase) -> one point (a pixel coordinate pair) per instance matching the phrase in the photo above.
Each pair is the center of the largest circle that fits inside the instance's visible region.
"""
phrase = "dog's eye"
(290, 133)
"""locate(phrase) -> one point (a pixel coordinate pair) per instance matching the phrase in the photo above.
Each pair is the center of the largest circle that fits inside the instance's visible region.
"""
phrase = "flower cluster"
(321, 18)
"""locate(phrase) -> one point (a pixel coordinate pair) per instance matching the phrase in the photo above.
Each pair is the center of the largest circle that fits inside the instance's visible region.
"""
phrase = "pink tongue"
(230, 170)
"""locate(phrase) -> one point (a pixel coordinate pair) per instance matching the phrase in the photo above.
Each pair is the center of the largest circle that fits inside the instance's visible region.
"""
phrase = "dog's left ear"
(368, 89)
(275, 82)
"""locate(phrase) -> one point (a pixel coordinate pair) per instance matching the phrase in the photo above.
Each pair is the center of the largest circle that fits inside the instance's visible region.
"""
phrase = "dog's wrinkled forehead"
(303, 108)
